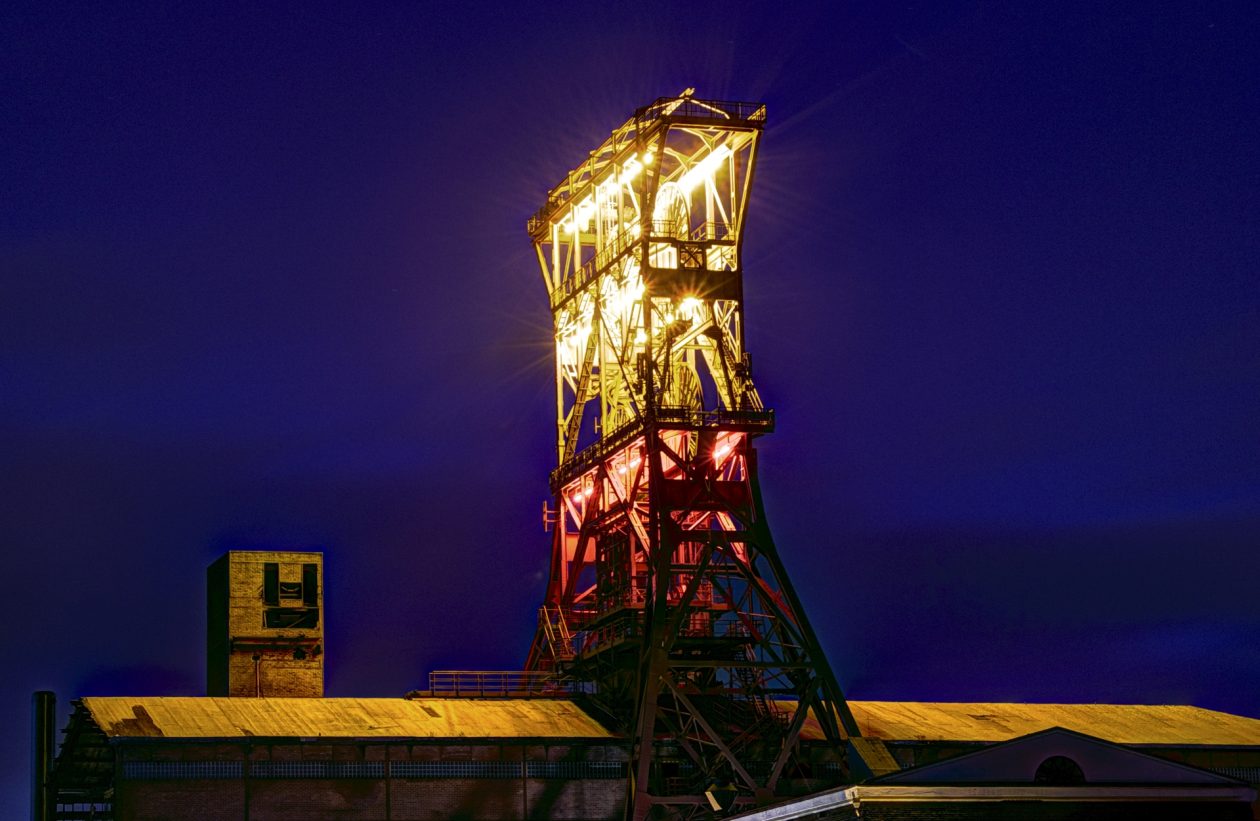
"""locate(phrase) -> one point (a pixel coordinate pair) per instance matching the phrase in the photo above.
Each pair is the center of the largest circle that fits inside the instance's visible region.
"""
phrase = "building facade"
(546, 758)
(265, 624)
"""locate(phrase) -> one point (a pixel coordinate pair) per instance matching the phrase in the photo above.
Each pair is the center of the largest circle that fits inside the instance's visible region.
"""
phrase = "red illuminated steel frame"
(667, 601)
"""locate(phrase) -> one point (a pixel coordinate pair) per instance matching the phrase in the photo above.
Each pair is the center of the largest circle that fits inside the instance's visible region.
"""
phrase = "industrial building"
(517, 746)
(674, 672)
(545, 758)
(303, 758)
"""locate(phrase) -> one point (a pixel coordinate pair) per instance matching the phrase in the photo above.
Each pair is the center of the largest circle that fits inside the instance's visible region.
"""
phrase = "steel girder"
(666, 595)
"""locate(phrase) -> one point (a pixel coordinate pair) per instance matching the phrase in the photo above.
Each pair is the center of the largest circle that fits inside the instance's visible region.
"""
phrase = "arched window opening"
(1059, 771)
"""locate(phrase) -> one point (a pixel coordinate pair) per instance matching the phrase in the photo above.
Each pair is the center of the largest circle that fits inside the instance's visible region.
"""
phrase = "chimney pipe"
(43, 750)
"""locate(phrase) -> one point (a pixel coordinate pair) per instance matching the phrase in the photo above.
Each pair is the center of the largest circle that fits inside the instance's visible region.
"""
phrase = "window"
(271, 583)
(310, 585)
(1059, 771)
(317, 769)
(291, 617)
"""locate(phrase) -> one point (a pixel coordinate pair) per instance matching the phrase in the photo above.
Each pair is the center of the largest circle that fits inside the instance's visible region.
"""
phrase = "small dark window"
(1059, 771)
(310, 585)
(271, 583)
(291, 617)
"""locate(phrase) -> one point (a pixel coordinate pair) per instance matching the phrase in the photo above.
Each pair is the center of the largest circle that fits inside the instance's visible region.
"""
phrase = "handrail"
(497, 684)
(612, 249)
(690, 108)
(760, 421)
(658, 231)
(588, 456)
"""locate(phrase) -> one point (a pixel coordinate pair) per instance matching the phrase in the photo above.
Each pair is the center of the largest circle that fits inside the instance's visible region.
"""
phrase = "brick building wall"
(369, 781)
(265, 624)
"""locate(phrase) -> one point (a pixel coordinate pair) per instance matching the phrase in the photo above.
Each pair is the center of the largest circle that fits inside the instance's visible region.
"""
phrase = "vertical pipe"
(389, 783)
(245, 775)
(116, 806)
(43, 717)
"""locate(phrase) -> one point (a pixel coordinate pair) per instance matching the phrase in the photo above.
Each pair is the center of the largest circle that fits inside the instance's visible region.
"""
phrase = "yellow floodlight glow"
(617, 300)
(578, 217)
(632, 168)
(704, 169)
(572, 338)
(582, 214)
(689, 307)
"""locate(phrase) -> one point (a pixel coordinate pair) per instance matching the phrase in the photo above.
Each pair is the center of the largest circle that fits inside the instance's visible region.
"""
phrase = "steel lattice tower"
(666, 593)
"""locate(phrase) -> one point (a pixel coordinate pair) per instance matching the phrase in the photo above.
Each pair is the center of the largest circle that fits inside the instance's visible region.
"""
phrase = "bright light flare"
(704, 169)
(578, 218)
(634, 465)
(724, 447)
(689, 308)
(617, 300)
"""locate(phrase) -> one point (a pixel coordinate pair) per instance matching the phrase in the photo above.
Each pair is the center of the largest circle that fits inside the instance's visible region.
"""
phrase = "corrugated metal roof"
(341, 718)
(559, 718)
(984, 721)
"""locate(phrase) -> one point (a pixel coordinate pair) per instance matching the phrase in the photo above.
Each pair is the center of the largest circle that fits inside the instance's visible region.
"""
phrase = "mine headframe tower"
(666, 593)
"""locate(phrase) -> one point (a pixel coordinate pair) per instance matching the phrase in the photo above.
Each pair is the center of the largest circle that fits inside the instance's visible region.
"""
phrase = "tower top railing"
(690, 108)
(757, 422)
(663, 111)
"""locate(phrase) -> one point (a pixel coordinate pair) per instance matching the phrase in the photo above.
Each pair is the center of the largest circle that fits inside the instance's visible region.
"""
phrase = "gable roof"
(1017, 761)
(341, 718)
(1174, 725)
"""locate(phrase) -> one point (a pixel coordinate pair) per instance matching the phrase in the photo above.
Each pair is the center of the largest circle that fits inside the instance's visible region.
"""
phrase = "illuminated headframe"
(640, 252)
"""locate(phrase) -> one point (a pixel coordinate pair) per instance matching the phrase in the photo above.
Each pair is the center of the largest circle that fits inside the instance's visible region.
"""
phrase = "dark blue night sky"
(264, 281)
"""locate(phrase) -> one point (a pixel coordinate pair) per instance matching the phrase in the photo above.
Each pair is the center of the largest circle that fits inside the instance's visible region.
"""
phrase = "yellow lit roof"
(559, 718)
(341, 718)
(1118, 723)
